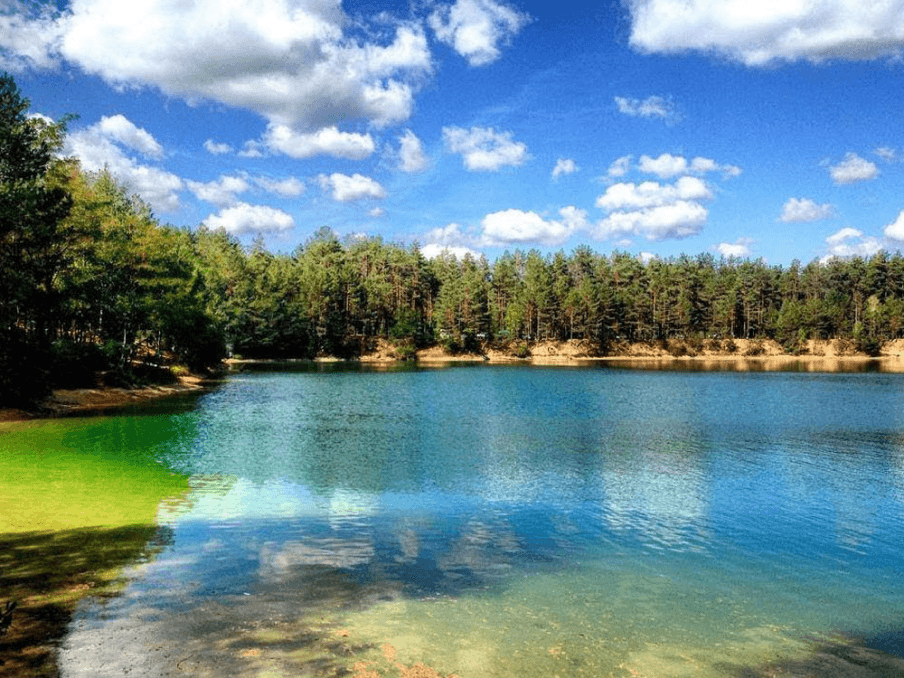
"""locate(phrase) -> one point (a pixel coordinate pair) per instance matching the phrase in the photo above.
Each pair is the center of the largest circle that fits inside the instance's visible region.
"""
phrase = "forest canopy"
(91, 283)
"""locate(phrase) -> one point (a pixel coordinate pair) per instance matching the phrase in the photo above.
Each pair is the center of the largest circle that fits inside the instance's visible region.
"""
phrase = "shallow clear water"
(512, 521)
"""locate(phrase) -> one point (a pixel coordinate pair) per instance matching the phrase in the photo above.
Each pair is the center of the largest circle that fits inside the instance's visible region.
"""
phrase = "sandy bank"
(762, 355)
(69, 402)
(826, 354)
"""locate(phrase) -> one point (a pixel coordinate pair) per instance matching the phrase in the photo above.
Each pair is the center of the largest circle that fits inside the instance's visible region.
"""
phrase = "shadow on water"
(282, 627)
(833, 658)
(47, 573)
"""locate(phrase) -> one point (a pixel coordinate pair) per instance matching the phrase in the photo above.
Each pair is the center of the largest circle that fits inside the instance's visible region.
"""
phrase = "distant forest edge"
(93, 286)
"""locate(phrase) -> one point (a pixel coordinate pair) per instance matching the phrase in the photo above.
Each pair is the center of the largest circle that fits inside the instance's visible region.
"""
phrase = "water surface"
(511, 521)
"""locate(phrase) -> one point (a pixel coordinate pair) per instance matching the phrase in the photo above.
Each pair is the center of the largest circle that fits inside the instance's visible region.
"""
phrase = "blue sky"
(658, 127)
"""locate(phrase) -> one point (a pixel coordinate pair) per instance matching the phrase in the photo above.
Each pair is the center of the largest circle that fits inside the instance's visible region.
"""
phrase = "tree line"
(92, 283)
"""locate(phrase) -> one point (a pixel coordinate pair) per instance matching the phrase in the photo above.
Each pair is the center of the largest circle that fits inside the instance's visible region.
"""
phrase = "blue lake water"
(493, 521)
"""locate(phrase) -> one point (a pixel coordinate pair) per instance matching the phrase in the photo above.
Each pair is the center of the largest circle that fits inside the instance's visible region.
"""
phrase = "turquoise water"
(514, 521)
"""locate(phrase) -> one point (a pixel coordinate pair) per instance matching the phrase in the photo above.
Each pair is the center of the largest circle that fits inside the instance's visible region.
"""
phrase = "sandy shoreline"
(70, 402)
(820, 356)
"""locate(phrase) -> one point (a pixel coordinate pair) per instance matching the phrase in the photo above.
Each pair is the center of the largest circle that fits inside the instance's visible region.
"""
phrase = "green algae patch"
(77, 473)
(79, 500)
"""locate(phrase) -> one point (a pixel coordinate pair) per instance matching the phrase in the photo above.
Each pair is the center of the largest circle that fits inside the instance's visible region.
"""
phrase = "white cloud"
(895, 229)
(651, 107)
(652, 194)
(434, 250)
(659, 211)
(620, 167)
(887, 154)
(665, 166)
(376, 212)
(849, 242)
(476, 28)
(676, 220)
(448, 240)
(739, 248)
(846, 233)
(123, 130)
(758, 33)
(564, 166)
(245, 218)
(804, 209)
(853, 169)
(411, 153)
(351, 188)
(484, 149)
(221, 192)
(326, 141)
(96, 150)
(28, 39)
(516, 226)
(287, 188)
(215, 148)
(290, 61)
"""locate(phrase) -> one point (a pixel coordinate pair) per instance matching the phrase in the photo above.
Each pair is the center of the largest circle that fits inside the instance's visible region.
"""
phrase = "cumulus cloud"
(434, 250)
(564, 166)
(759, 33)
(516, 226)
(850, 242)
(446, 241)
(895, 229)
(288, 188)
(221, 192)
(99, 147)
(667, 166)
(28, 38)
(651, 107)
(654, 210)
(326, 141)
(476, 28)
(804, 209)
(244, 218)
(351, 188)
(123, 130)
(739, 248)
(216, 148)
(290, 61)
(652, 194)
(676, 220)
(887, 154)
(484, 149)
(853, 169)
(411, 153)
(619, 167)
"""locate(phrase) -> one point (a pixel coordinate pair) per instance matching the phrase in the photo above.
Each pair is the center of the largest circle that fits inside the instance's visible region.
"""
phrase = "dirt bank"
(835, 352)
(765, 354)
(69, 402)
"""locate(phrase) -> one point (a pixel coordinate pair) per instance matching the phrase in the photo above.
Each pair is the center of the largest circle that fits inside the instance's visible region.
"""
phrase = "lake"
(485, 521)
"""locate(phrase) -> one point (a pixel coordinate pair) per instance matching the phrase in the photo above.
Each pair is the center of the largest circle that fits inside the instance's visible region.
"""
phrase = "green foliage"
(93, 283)
(521, 351)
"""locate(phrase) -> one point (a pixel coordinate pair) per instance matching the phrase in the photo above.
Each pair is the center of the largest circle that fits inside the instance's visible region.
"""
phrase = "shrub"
(676, 348)
(521, 351)
(870, 345)
(405, 351)
(755, 348)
